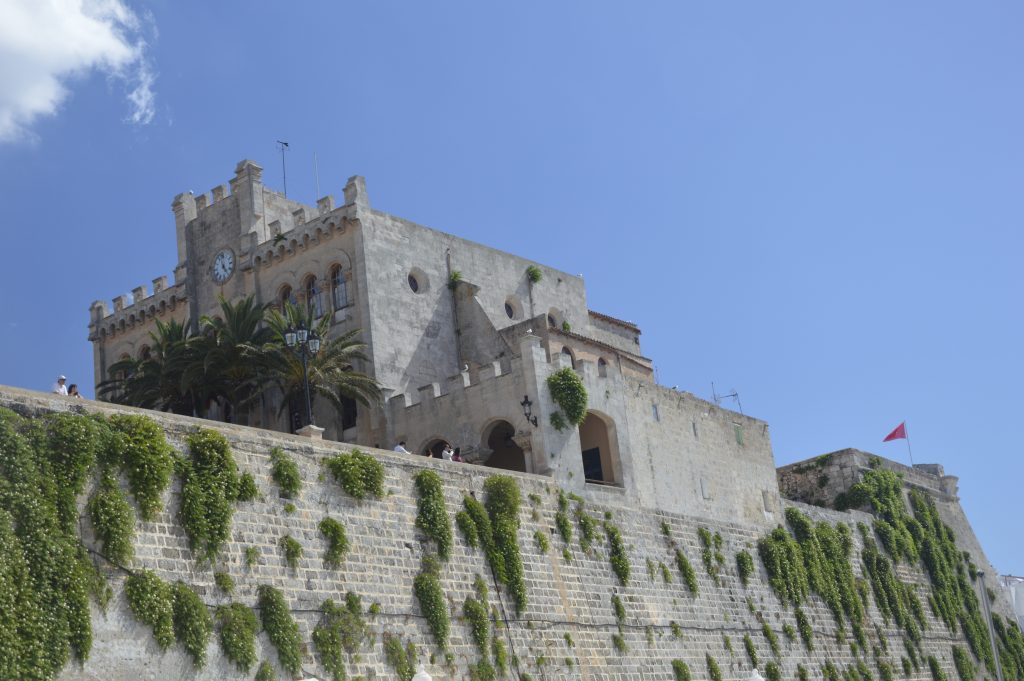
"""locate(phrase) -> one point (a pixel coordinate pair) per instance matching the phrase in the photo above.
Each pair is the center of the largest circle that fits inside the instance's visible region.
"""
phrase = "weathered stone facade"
(456, 361)
(664, 621)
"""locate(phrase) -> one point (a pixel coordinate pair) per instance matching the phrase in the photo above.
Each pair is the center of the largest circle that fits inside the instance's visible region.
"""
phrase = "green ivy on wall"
(337, 542)
(569, 394)
(401, 658)
(281, 629)
(285, 472)
(192, 622)
(151, 600)
(113, 520)
(502, 502)
(358, 473)
(208, 493)
(432, 516)
(342, 629)
(238, 626)
(427, 587)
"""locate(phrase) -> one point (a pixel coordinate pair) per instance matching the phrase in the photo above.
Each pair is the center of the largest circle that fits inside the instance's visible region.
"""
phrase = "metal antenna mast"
(284, 171)
(734, 395)
(316, 177)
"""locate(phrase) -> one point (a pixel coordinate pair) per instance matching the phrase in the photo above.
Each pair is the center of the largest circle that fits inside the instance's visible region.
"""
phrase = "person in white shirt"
(59, 386)
(447, 452)
(400, 448)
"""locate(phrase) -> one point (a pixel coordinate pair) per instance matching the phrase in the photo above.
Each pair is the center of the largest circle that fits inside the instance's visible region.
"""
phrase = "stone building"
(463, 358)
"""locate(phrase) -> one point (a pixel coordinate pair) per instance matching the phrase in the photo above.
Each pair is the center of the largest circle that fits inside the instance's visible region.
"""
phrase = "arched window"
(599, 448)
(339, 292)
(568, 353)
(285, 296)
(145, 353)
(314, 299)
(602, 367)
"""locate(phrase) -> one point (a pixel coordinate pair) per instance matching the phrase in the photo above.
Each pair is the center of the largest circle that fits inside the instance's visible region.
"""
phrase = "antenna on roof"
(284, 171)
(718, 398)
(316, 177)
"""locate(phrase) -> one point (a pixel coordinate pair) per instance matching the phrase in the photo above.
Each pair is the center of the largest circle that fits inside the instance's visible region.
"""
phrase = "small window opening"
(509, 312)
(413, 284)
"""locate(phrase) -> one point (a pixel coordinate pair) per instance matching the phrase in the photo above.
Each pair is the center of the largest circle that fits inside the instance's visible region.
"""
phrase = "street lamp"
(305, 344)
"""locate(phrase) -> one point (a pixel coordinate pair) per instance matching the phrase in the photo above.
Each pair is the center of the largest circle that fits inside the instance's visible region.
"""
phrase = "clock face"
(223, 266)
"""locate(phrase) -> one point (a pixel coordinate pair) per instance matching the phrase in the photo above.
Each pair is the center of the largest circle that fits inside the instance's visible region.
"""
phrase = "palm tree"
(158, 380)
(330, 372)
(227, 356)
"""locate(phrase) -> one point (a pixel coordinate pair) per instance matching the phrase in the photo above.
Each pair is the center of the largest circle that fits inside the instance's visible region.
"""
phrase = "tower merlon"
(355, 192)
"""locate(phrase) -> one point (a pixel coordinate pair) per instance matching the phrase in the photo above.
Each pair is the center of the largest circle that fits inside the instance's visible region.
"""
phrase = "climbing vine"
(803, 625)
(427, 587)
(292, 550)
(265, 672)
(401, 658)
(569, 394)
(502, 502)
(224, 582)
(680, 670)
(342, 629)
(337, 542)
(748, 644)
(772, 672)
(238, 626)
(247, 489)
(744, 566)
(152, 602)
(711, 554)
(714, 672)
(467, 528)
(139, 448)
(358, 473)
(285, 473)
(562, 518)
(432, 517)
(687, 572)
(208, 493)
(192, 622)
(280, 627)
(113, 520)
(617, 553)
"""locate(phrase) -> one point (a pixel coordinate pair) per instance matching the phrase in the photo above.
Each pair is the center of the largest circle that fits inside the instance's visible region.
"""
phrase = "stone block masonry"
(567, 628)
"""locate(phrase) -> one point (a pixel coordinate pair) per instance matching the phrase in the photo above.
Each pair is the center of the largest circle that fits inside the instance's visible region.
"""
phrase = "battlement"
(136, 308)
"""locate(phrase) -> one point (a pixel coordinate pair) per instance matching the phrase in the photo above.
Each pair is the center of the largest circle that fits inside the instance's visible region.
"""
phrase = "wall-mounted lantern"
(527, 405)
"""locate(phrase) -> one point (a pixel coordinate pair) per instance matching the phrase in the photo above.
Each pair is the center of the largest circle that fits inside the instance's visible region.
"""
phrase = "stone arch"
(602, 367)
(498, 438)
(312, 295)
(432, 447)
(599, 449)
(567, 351)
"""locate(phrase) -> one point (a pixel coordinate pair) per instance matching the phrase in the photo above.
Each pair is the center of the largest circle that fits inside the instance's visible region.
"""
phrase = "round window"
(413, 284)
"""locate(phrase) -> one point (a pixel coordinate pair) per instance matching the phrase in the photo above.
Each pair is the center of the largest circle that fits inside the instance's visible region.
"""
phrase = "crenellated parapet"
(138, 308)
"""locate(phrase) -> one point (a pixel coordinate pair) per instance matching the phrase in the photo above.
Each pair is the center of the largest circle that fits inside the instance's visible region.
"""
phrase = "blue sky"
(815, 204)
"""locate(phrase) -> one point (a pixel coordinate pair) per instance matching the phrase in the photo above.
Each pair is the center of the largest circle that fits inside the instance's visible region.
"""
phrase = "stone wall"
(568, 594)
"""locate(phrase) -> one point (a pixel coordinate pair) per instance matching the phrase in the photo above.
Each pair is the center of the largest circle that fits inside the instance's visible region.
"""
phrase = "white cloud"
(44, 43)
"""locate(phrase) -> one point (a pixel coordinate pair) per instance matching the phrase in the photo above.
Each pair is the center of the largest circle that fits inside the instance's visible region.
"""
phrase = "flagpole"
(907, 433)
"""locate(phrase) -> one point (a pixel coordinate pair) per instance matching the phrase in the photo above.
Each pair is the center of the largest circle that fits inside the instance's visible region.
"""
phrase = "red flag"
(900, 433)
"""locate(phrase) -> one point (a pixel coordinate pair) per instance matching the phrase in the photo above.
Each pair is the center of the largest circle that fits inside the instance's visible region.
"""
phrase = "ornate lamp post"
(305, 344)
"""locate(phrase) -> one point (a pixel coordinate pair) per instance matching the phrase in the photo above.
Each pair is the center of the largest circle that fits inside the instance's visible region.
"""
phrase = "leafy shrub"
(192, 623)
(238, 625)
(285, 473)
(557, 421)
(432, 517)
(542, 541)
(337, 542)
(619, 643)
(569, 394)
(534, 274)
(620, 611)
(773, 640)
(562, 518)
(964, 665)
(280, 627)
(208, 493)
(935, 669)
(113, 520)
(789, 631)
(771, 672)
(358, 473)
(152, 602)
(804, 626)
